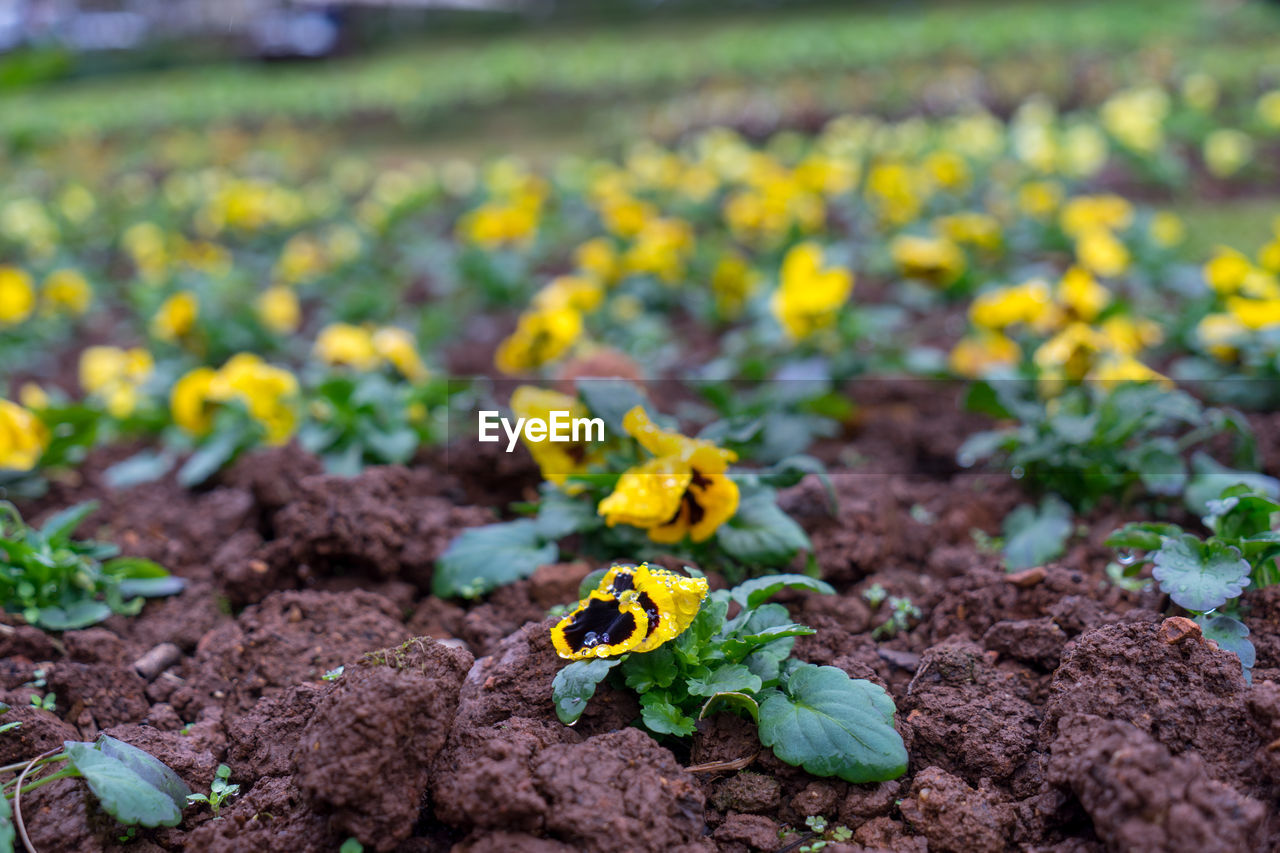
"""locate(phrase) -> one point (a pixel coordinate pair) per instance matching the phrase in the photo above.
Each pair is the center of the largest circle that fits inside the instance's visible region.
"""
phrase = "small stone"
(1175, 629)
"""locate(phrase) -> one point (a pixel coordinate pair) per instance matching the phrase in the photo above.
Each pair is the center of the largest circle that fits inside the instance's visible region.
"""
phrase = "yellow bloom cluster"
(683, 491)
(116, 376)
(1093, 222)
(268, 393)
(1249, 295)
(808, 297)
(23, 438)
(176, 317)
(369, 348)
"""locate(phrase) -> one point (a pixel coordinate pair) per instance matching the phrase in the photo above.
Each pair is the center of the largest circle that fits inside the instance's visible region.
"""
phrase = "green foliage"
(482, 558)
(1033, 537)
(1206, 575)
(220, 790)
(815, 717)
(61, 584)
(1093, 440)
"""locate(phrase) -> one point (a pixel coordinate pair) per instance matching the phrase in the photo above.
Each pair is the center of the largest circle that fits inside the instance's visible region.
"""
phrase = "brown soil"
(1047, 710)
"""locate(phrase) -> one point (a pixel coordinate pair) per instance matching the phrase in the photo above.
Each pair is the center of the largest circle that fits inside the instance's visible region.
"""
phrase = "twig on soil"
(157, 661)
(18, 822)
(715, 766)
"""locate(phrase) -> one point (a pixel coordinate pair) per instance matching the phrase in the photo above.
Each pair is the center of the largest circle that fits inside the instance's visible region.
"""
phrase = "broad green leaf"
(81, 614)
(832, 725)
(58, 528)
(761, 534)
(128, 796)
(560, 515)
(1161, 466)
(726, 678)
(1232, 635)
(705, 625)
(647, 670)
(209, 458)
(1200, 576)
(731, 701)
(661, 717)
(134, 567)
(151, 587)
(149, 768)
(1142, 536)
(1210, 478)
(144, 467)
(610, 400)
(481, 558)
(575, 684)
(753, 593)
(394, 446)
(1033, 538)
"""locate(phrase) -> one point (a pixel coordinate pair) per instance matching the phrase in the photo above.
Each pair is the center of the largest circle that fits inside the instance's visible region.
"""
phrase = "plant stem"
(64, 773)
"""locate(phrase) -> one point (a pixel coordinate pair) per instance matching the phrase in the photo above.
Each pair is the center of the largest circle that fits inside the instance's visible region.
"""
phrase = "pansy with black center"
(632, 609)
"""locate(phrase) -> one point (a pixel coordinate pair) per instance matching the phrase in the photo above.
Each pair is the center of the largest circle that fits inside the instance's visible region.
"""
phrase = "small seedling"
(47, 702)
(901, 613)
(351, 845)
(220, 790)
(334, 674)
(875, 595)
(828, 834)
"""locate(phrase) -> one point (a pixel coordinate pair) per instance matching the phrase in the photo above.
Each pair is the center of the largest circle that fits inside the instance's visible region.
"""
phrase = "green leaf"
(1161, 466)
(560, 515)
(575, 684)
(1200, 576)
(661, 717)
(610, 400)
(761, 534)
(209, 458)
(1142, 536)
(1210, 478)
(146, 466)
(705, 625)
(832, 725)
(395, 446)
(791, 470)
(59, 527)
(1232, 635)
(8, 834)
(81, 614)
(132, 786)
(732, 701)
(648, 670)
(481, 558)
(151, 587)
(1033, 538)
(726, 678)
(751, 594)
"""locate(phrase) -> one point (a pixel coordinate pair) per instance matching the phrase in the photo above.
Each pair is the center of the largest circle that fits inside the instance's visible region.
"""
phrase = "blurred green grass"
(431, 82)
(1241, 222)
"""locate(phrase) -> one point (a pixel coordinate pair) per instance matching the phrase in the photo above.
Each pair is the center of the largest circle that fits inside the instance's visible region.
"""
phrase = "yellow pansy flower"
(268, 393)
(809, 297)
(557, 460)
(1254, 313)
(176, 316)
(1071, 353)
(23, 438)
(1086, 213)
(17, 296)
(1226, 270)
(190, 401)
(1125, 368)
(933, 259)
(1129, 336)
(1029, 303)
(347, 345)
(66, 291)
(540, 337)
(33, 397)
(570, 291)
(976, 355)
(681, 492)
(732, 282)
(1099, 251)
(115, 376)
(1081, 293)
(399, 349)
(1167, 229)
(278, 309)
(597, 257)
(632, 609)
(1227, 151)
(1221, 335)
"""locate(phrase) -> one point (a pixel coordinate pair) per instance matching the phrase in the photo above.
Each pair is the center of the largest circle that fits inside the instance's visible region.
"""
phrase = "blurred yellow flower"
(541, 336)
(1071, 353)
(570, 291)
(1087, 213)
(1167, 229)
(1226, 270)
(1221, 335)
(733, 281)
(1029, 303)
(1227, 151)
(1115, 367)
(23, 438)
(33, 397)
(176, 316)
(399, 349)
(1099, 251)
(809, 297)
(976, 355)
(115, 376)
(557, 460)
(66, 291)
(933, 259)
(1254, 313)
(268, 393)
(278, 309)
(683, 491)
(1082, 294)
(597, 257)
(347, 345)
(17, 296)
